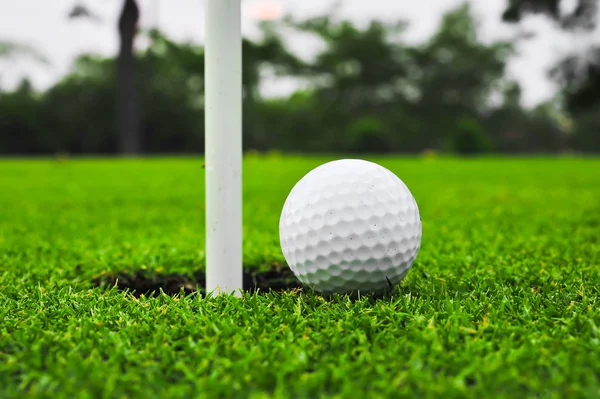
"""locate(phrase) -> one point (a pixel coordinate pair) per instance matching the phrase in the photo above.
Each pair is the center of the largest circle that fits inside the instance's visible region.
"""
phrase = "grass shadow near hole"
(149, 283)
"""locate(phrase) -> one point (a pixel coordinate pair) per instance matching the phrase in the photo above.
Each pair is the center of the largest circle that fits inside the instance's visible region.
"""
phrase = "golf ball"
(350, 225)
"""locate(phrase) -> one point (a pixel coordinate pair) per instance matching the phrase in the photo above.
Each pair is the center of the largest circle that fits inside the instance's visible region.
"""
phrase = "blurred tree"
(267, 55)
(359, 80)
(13, 51)
(420, 92)
(364, 91)
(582, 15)
(21, 131)
(468, 138)
(9, 49)
(367, 134)
(513, 128)
(128, 103)
(77, 110)
(578, 74)
(455, 75)
(579, 77)
(171, 85)
(172, 95)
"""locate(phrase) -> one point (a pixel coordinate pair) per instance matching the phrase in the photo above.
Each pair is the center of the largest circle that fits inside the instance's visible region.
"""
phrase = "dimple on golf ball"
(350, 225)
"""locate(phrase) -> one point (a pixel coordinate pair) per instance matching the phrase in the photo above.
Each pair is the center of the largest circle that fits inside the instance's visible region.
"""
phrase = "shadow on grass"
(148, 283)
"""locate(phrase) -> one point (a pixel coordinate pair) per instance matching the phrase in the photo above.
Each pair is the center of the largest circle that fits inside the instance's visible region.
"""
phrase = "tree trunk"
(128, 107)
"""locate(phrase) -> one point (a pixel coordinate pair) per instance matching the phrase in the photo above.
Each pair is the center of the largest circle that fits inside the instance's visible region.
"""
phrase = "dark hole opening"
(148, 283)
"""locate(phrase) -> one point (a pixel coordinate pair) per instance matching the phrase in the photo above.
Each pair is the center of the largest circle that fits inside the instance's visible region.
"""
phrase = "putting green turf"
(502, 301)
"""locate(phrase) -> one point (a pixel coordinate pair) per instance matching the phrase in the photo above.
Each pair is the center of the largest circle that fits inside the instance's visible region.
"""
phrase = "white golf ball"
(350, 225)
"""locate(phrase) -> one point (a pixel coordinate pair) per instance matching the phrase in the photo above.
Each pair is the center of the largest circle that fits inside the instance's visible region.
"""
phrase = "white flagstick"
(223, 146)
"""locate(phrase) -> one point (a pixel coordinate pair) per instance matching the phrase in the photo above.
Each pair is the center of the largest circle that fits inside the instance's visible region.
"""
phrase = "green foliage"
(78, 110)
(469, 138)
(503, 301)
(456, 75)
(12, 50)
(578, 74)
(366, 90)
(19, 119)
(368, 135)
(171, 86)
(582, 16)
(587, 134)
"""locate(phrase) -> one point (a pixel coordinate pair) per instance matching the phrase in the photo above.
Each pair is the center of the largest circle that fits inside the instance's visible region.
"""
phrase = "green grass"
(503, 300)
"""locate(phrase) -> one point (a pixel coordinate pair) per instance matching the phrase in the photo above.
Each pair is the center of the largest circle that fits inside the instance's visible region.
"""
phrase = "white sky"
(44, 25)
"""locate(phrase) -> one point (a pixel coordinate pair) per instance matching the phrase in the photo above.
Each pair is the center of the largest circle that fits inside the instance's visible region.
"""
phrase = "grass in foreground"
(502, 301)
